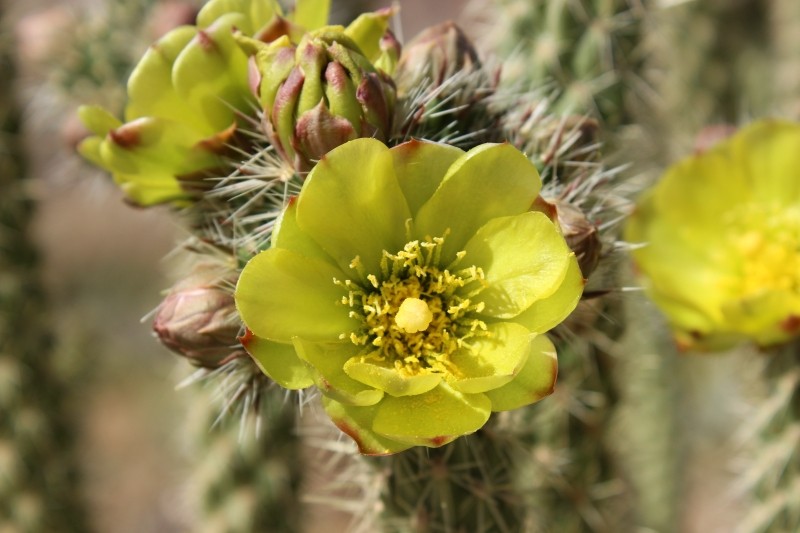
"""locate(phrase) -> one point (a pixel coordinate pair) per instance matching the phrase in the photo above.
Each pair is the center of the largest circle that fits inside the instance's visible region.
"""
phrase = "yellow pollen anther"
(413, 315)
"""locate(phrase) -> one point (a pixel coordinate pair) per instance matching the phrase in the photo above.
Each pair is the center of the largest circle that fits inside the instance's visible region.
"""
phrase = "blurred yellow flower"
(721, 236)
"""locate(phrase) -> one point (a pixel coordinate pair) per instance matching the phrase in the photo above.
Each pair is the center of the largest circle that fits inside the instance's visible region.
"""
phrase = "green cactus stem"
(249, 473)
(38, 480)
(785, 21)
(590, 49)
(774, 470)
(467, 485)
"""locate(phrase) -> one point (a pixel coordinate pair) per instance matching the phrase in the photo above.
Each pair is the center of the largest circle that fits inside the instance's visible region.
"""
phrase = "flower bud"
(435, 55)
(320, 94)
(441, 77)
(198, 320)
(581, 236)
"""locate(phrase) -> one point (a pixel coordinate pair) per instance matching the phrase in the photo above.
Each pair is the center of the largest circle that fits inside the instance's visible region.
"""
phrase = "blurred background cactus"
(39, 477)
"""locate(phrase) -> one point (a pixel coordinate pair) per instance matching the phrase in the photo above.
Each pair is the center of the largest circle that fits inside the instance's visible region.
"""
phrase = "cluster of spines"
(250, 474)
(772, 471)
(589, 49)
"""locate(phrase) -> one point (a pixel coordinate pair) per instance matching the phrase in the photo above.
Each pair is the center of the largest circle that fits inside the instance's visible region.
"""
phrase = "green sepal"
(98, 120)
(210, 74)
(367, 30)
(311, 14)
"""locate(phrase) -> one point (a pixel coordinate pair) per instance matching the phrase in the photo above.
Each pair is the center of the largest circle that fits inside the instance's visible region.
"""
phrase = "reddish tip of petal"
(408, 147)
(386, 11)
(336, 76)
(791, 324)
(352, 432)
(552, 388)
(218, 142)
(292, 201)
(275, 29)
(711, 135)
(546, 208)
(440, 441)
(247, 338)
(126, 136)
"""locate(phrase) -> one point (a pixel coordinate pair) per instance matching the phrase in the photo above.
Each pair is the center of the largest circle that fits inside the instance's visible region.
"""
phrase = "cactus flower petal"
(440, 416)
(548, 312)
(356, 422)
(296, 304)
(279, 361)
(518, 279)
(533, 382)
(327, 360)
(490, 181)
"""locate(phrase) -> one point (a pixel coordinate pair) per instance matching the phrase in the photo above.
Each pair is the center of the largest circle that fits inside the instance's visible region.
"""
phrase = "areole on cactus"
(413, 286)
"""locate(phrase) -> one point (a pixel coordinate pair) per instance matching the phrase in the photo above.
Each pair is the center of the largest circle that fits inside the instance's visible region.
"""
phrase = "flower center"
(768, 243)
(416, 314)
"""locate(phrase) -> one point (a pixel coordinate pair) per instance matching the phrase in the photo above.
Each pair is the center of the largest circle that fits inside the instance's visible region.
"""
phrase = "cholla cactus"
(472, 342)
(250, 469)
(744, 206)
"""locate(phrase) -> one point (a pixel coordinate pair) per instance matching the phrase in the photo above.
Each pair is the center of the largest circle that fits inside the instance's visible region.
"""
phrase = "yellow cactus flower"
(721, 240)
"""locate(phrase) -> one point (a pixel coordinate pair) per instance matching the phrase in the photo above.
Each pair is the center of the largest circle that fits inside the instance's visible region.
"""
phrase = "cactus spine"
(38, 479)
(774, 470)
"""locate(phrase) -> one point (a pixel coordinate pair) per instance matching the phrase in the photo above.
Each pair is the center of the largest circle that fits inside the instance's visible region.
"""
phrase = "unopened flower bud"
(581, 236)
(435, 55)
(441, 76)
(198, 320)
(320, 94)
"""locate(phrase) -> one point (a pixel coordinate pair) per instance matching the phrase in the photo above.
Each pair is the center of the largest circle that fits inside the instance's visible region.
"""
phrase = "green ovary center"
(415, 315)
(768, 244)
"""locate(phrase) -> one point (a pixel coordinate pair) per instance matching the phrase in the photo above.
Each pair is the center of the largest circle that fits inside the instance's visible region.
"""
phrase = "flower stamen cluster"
(416, 315)
(768, 241)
